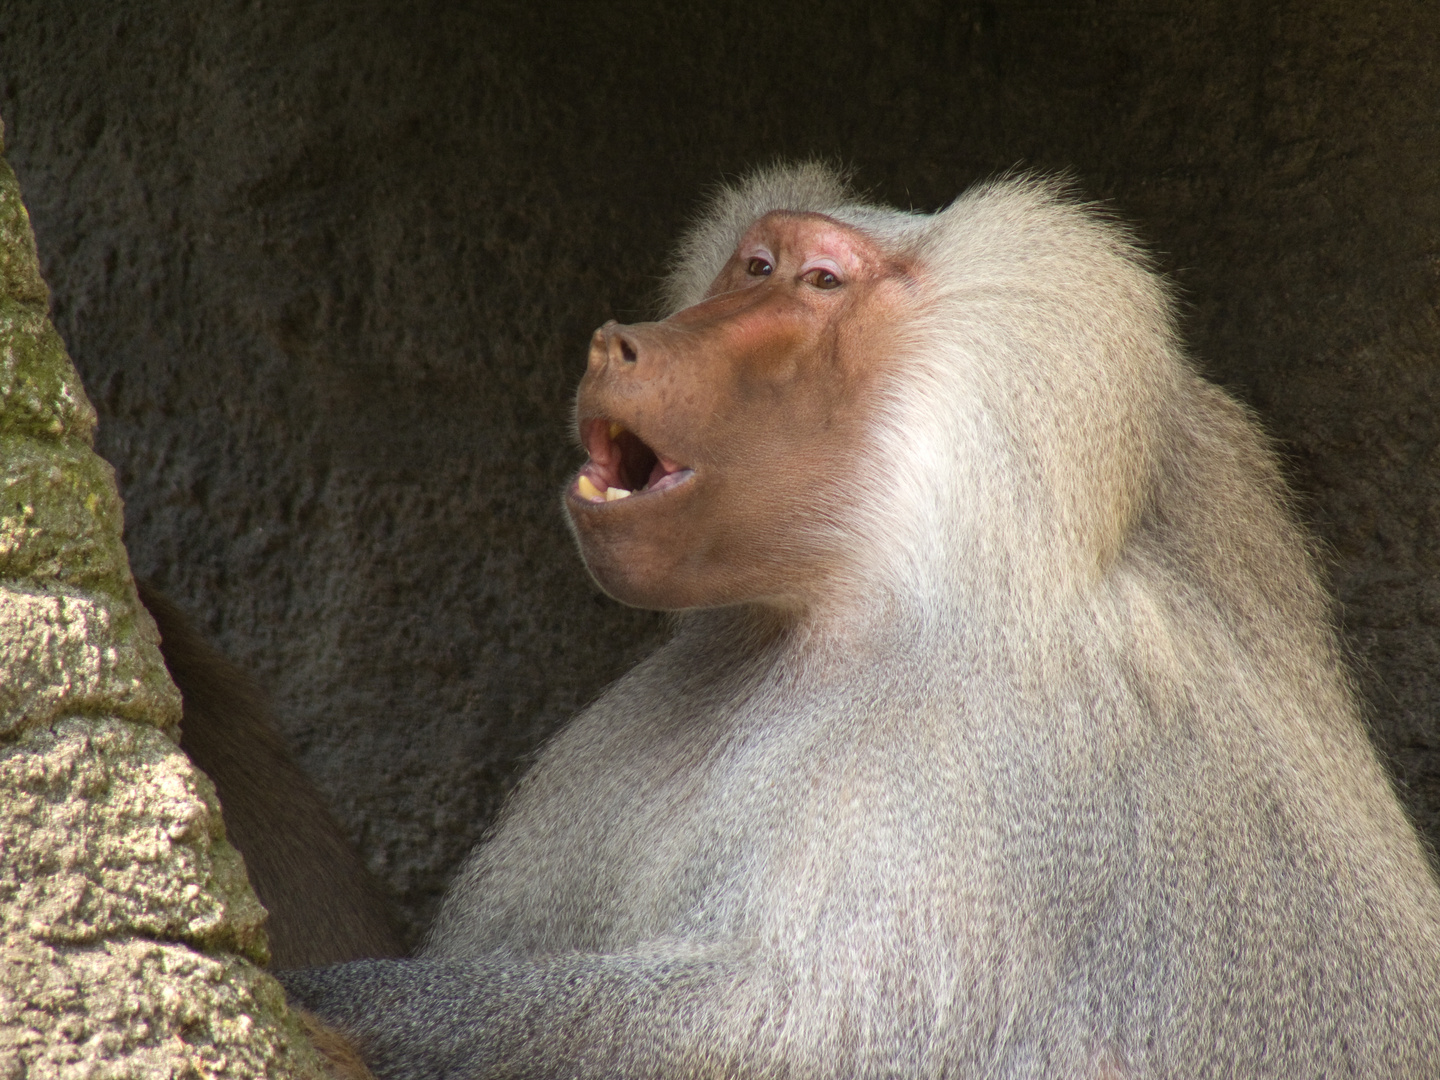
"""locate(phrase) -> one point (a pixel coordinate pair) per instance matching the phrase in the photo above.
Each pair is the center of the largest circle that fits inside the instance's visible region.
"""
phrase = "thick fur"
(340, 1057)
(324, 906)
(1073, 785)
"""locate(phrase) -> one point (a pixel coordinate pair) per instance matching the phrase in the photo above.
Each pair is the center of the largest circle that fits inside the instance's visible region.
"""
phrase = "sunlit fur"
(1073, 786)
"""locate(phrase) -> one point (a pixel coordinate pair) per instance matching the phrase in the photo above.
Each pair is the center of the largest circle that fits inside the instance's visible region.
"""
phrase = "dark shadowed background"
(329, 271)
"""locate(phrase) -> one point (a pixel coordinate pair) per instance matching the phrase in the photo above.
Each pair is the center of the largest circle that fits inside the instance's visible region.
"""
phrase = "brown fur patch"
(337, 1049)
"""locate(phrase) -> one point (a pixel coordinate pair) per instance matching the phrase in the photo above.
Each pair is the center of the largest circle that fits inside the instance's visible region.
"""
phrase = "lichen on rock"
(20, 278)
(42, 395)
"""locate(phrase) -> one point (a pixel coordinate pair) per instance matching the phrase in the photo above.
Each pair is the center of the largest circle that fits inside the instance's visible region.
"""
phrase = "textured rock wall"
(129, 937)
(329, 269)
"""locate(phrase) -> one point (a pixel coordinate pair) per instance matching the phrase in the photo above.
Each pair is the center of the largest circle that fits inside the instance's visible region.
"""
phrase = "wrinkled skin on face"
(721, 439)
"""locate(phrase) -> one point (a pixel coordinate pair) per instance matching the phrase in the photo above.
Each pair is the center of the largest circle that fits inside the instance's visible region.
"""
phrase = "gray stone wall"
(129, 937)
(329, 269)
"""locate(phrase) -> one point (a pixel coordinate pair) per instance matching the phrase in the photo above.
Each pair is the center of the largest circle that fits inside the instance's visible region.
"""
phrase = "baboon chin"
(1003, 732)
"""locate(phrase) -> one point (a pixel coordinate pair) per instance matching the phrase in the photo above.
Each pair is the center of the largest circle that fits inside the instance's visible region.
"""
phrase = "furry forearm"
(575, 1014)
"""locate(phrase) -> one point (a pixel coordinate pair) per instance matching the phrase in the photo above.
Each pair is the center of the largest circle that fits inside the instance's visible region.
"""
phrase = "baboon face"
(722, 439)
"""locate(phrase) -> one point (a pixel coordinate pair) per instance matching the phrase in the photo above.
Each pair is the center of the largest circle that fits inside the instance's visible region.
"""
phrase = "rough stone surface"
(129, 938)
(136, 1009)
(329, 270)
(110, 831)
(64, 653)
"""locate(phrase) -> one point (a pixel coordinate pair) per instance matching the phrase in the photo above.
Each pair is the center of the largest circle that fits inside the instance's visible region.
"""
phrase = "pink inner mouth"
(622, 461)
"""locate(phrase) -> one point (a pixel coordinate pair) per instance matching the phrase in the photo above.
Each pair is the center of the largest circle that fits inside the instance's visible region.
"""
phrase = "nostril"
(610, 340)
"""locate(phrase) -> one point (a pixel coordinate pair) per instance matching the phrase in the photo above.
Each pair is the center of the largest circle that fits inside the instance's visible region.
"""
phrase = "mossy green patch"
(19, 264)
(40, 393)
(60, 518)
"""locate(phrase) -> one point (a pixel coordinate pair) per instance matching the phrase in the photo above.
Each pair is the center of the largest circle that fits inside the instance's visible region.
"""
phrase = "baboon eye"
(822, 278)
(758, 267)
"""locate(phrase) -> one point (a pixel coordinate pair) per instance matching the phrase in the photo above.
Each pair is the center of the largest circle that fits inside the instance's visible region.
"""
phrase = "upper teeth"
(587, 489)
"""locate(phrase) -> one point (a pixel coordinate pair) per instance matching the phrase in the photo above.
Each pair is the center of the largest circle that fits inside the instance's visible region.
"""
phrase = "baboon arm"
(570, 1014)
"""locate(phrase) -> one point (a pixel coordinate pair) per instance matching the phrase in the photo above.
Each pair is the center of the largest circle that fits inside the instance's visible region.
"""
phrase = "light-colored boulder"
(130, 940)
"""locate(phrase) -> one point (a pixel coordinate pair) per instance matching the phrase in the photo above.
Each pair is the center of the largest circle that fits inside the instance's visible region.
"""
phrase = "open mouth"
(622, 465)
